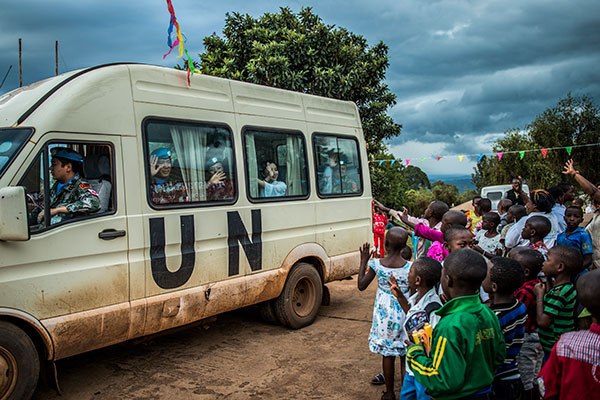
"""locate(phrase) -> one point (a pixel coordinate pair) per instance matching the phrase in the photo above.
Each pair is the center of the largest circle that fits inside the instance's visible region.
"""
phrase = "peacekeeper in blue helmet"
(164, 188)
(70, 195)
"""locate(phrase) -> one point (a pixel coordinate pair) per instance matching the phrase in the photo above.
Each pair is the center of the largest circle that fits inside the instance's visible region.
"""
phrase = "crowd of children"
(495, 305)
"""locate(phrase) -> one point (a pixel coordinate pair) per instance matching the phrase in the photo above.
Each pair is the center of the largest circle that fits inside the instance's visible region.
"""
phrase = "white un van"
(211, 197)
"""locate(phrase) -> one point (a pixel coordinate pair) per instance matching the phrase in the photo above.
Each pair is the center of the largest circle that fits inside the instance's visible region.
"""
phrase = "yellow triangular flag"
(460, 158)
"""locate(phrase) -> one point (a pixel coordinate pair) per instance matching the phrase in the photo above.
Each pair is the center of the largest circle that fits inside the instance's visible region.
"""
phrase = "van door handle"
(110, 234)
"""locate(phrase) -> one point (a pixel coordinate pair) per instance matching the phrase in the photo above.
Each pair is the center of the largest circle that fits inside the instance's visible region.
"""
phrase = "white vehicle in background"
(496, 192)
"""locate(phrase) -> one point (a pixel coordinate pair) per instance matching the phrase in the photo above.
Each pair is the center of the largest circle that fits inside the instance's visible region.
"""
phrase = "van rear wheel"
(19, 363)
(298, 304)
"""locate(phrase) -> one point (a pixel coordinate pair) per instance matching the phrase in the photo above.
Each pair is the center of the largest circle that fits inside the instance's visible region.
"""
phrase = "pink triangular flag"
(499, 156)
(544, 152)
(407, 161)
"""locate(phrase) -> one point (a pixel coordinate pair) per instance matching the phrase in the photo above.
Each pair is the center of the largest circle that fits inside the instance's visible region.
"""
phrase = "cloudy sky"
(463, 71)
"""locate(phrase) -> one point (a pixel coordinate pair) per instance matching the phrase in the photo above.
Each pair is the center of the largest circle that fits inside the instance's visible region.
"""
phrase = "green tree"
(466, 196)
(417, 201)
(445, 192)
(416, 177)
(573, 121)
(299, 52)
(388, 182)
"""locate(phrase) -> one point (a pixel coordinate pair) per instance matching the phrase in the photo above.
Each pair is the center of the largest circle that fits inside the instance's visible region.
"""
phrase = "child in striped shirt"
(504, 277)
(572, 370)
(555, 300)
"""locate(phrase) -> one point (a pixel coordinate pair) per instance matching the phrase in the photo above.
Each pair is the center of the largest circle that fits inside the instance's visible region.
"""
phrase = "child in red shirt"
(573, 369)
(380, 221)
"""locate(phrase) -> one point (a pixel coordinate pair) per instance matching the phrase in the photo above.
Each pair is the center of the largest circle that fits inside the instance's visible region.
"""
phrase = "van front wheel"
(19, 363)
(298, 304)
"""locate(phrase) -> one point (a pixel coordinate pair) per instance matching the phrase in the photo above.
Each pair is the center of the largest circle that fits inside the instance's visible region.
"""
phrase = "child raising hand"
(386, 336)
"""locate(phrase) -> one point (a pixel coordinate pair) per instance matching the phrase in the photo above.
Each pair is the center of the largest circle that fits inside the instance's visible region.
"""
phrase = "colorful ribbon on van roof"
(189, 63)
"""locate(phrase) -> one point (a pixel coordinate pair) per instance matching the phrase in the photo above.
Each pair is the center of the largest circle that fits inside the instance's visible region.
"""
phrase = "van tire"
(299, 302)
(266, 310)
(19, 363)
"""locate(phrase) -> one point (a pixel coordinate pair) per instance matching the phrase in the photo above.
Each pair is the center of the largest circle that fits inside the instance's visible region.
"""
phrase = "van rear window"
(338, 168)
(12, 141)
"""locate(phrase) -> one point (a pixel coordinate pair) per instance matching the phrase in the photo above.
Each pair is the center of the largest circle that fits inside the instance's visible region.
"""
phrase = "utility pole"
(20, 69)
(56, 55)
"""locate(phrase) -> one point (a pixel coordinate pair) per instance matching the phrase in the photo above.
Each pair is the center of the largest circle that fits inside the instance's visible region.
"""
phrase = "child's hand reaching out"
(365, 253)
(394, 286)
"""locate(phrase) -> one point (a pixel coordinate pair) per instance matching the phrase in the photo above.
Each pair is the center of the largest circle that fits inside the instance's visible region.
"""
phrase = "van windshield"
(12, 141)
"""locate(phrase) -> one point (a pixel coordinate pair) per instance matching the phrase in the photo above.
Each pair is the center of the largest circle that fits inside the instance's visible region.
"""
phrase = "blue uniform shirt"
(579, 240)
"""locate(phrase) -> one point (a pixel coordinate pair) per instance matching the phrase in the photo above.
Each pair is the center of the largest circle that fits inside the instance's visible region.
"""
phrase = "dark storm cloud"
(482, 67)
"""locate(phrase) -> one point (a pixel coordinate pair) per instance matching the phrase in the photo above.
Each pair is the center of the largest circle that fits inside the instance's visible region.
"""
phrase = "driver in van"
(71, 195)
(164, 188)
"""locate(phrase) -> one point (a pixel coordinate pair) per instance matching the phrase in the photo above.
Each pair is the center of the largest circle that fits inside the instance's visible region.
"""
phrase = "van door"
(73, 272)
(187, 188)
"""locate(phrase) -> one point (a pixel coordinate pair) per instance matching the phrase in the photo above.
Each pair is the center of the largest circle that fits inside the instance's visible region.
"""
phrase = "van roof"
(114, 88)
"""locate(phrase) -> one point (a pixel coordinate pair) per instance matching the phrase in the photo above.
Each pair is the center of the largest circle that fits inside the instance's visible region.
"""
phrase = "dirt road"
(238, 357)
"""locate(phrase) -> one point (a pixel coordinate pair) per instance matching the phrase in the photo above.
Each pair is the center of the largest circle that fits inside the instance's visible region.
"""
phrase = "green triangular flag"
(522, 154)
(569, 149)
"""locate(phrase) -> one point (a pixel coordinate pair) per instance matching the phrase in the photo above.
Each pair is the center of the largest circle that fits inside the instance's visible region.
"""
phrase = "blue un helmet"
(67, 154)
(161, 152)
(212, 161)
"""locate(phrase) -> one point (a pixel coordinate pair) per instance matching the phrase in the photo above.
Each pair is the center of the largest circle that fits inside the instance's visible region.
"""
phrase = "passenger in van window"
(270, 186)
(329, 182)
(71, 195)
(219, 186)
(165, 188)
(348, 184)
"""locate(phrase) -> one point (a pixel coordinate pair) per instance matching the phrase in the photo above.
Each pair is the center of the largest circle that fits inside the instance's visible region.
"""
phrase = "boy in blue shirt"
(575, 236)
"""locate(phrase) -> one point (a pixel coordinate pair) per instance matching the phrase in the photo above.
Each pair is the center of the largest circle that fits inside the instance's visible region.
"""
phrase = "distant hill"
(462, 182)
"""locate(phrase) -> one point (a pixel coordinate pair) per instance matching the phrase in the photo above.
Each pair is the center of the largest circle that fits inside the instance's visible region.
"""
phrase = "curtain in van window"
(293, 164)
(190, 145)
(252, 165)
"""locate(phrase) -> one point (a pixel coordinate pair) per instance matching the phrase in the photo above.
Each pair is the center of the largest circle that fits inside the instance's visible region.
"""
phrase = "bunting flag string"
(189, 63)
(500, 155)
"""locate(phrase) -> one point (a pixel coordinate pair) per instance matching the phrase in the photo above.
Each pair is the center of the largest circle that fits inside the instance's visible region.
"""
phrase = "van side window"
(338, 169)
(79, 178)
(189, 163)
(275, 164)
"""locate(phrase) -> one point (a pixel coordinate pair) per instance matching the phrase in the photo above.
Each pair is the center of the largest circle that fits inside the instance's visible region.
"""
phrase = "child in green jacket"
(467, 344)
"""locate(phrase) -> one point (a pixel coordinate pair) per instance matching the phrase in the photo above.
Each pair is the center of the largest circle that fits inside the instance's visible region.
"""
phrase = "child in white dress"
(386, 336)
(488, 238)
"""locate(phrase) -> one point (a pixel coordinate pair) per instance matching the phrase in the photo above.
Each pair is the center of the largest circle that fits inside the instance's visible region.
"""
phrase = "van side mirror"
(13, 214)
